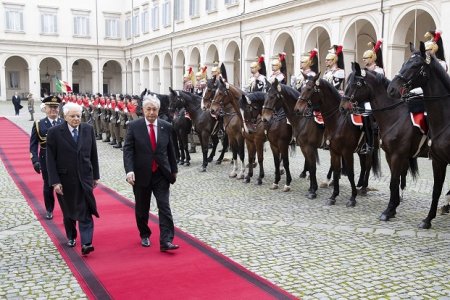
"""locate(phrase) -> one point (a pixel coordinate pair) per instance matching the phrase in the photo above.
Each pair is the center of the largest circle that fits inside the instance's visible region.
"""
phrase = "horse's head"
(357, 90)
(273, 101)
(225, 95)
(174, 100)
(311, 87)
(251, 106)
(210, 91)
(414, 73)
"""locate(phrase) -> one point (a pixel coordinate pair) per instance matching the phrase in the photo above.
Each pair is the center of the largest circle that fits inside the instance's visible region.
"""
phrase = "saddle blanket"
(318, 117)
(357, 120)
(419, 120)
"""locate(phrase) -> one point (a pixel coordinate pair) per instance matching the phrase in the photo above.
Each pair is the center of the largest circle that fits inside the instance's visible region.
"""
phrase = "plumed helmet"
(311, 59)
(335, 54)
(201, 72)
(276, 62)
(434, 43)
(375, 53)
(282, 58)
(259, 64)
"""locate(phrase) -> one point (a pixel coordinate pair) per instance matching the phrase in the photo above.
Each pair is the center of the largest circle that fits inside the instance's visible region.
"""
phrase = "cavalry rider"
(219, 71)
(373, 61)
(188, 81)
(434, 46)
(200, 77)
(258, 80)
(335, 73)
(308, 66)
(279, 69)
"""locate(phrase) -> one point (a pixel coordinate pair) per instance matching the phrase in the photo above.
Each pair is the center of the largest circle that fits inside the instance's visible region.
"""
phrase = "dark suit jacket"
(138, 154)
(75, 166)
(38, 140)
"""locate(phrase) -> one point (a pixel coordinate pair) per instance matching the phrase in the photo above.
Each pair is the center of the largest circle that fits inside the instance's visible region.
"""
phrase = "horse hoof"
(232, 175)
(286, 188)
(181, 163)
(351, 203)
(210, 159)
(274, 186)
(259, 181)
(246, 179)
(384, 217)
(188, 164)
(218, 162)
(311, 196)
(302, 175)
(425, 225)
(362, 191)
(330, 202)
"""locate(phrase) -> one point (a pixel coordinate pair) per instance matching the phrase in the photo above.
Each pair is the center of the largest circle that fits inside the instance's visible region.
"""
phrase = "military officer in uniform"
(434, 46)
(335, 73)
(38, 145)
(308, 66)
(279, 69)
(200, 84)
(219, 71)
(258, 80)
(188, 81)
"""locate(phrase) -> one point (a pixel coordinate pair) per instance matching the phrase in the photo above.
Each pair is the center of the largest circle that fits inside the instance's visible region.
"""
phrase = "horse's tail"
(413, 168)
(293, 148)
(376, 169)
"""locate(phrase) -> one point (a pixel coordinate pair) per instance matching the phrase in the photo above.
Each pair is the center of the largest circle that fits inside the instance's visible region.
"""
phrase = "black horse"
(204, 124)
(401, 141)
(182, 125)
(423, 70)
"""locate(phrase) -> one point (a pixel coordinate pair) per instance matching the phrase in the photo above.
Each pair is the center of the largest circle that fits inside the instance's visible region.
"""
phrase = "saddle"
(357, 120)
(318, 118)
(419, 120)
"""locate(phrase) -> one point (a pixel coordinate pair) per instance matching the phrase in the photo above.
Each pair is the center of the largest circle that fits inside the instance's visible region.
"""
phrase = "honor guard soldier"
(258, 80)
(434, 46)
(200, 84)
(373, 61)
(219, 71)
(279, 69)
(105, 120)
(335, 73)
(38, 145)
(309, 66)
(189, 81)
(113, 121)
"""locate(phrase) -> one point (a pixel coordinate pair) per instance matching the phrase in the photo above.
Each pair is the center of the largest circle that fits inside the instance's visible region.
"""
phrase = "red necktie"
(153, 143)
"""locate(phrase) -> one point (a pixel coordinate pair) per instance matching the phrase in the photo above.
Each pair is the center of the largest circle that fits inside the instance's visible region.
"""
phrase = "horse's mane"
(380, 78)
(333, 90)
(290, 91)
(440, 72)
(255, 97)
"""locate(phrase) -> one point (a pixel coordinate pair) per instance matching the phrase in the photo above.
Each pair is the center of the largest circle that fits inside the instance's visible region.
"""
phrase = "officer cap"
(52, 100)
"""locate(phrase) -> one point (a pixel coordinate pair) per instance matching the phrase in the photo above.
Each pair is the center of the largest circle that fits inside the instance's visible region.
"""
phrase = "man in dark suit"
(38, 145)
(16, 103)
(73, 171)
(150, 164)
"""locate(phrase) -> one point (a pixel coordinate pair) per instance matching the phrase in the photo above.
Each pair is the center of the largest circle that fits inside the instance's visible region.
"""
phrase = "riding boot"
(368, 146)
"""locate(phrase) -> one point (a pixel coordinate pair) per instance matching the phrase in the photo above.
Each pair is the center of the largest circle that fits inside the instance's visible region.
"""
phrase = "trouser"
(368, 130)
(86, 228)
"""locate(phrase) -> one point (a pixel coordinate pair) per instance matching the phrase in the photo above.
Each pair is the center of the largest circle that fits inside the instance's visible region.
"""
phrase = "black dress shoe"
(168, 246)
(49, 215)
(145, 242)
(86, 249)
(71, 243)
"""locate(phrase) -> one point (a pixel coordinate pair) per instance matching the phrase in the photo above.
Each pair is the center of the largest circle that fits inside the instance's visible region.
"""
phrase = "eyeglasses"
(366, 57)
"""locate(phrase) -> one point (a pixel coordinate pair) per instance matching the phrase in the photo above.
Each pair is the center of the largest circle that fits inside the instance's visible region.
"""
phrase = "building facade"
(115, 46)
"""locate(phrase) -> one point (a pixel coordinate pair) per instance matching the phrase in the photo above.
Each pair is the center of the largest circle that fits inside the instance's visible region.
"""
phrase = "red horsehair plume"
(313, 53)
(190, 70)
(261, 58)
(437, 35)
(338, 49)
(204, 69)
(377, 46)
(282, 56)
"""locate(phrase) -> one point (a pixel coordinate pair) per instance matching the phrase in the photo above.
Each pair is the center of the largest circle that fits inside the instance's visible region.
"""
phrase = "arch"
(285, 43)
(137, 84)
(232, 63)
(167, 72)
(194, 59)
(112, 77)
(128, 79)
(49, 70)
(155, 83)
(318, 37)
(82, 76)
(180, 61)
(145, 74)
(255, 49)
(17, 76)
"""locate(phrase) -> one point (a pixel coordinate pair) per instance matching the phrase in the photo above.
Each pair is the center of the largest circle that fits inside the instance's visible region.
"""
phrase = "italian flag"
(62, 87)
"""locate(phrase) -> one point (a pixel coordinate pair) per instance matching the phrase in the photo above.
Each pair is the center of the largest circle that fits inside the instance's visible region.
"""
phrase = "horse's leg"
(284, 146)
(241, 153)
(348, 159)
(177, 148)
(225, 145)
(260, 151)
(329, 180)
(204, 137)
(362, 174)
(305, 169)
(185, 144)
(215, 141)
(276, 161)
(446, 208)
(251, 149)
(310, 156)
(234, 150)
(336, 166)
(397, 165)
(439, 170)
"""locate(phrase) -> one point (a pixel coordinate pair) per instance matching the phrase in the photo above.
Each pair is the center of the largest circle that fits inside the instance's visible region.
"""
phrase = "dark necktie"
(153, 143)
(53, 123)
(75, 135)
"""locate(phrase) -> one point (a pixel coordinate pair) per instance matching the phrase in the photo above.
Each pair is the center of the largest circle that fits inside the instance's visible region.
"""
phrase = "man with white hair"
(73, 171)
(150, 165)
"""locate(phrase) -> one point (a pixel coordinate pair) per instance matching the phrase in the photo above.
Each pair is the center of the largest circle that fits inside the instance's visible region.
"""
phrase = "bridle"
(421, 75)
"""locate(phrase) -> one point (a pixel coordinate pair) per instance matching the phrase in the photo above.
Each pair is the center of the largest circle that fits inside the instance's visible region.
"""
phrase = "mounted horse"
(204, 123)
(279, 134)
(223, 104)
(401, 140)
(423, 70)
(344, 138)
(182, 124)
(251, 108)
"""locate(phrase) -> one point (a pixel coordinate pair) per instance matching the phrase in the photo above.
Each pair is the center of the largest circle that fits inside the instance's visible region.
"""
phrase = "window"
(48, 23)
(211, 5)
(14, 80)
(178, 10)
(136, 23)
(128, 28)
(166, 14)
(14, 20)
(193, 8)
(112, 28)
(145, 22)
(155, 17)
(229, 2)
(81, 26)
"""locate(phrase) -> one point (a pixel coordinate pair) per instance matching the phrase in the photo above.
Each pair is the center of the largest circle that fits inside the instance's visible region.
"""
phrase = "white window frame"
(49, 24)
(231, 2)
(14, 80)
(166, 14)
(155, 17)
(178, 10)
(128, 27)
(145, 22)
(112, 28)
(210, 5)
(193, 8)
(81, 26)
(14, 20)
(135, 24)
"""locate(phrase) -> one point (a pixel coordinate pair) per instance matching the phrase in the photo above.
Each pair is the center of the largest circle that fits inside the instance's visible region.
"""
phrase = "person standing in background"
(16, 103)
(31, 106)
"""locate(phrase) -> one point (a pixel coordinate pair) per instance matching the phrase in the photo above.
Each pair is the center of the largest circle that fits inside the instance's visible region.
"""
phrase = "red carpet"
(119, 267)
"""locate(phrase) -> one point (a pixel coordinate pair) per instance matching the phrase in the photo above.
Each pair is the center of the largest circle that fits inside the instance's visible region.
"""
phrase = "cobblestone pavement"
(311, 250)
